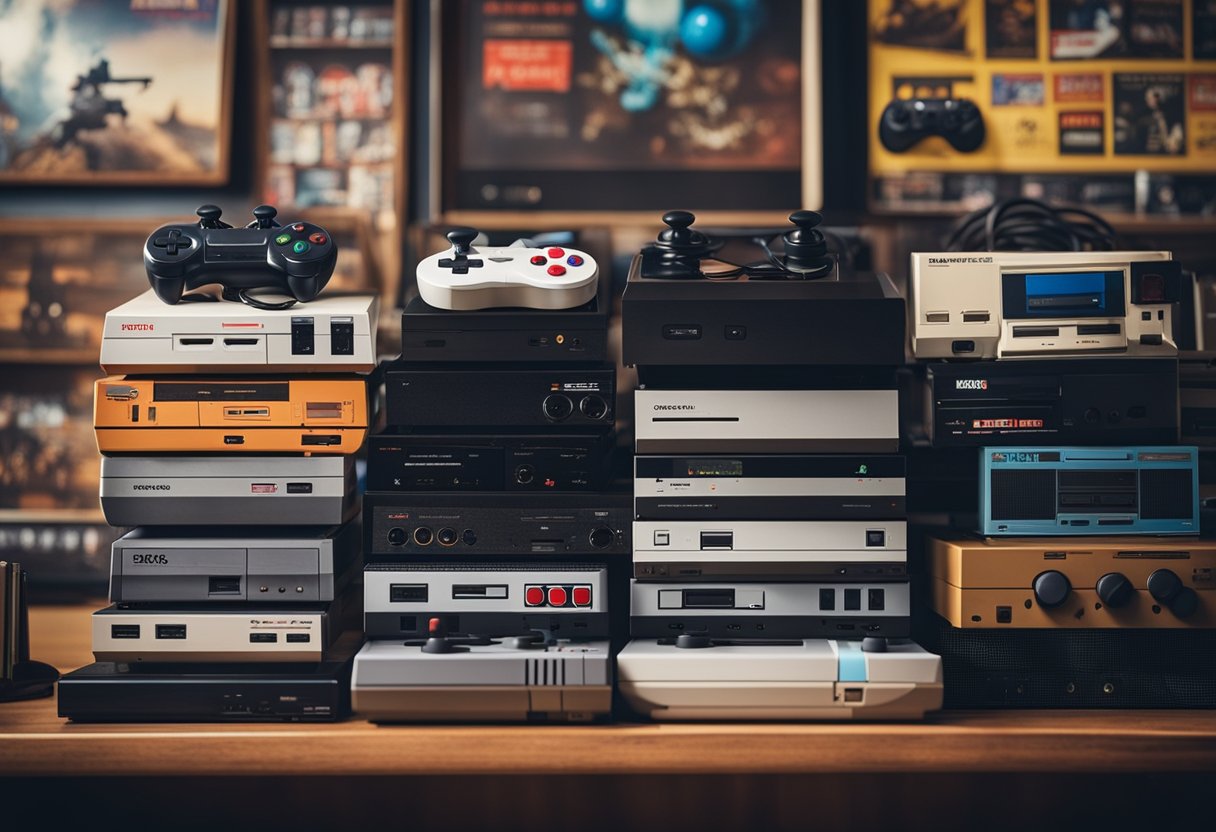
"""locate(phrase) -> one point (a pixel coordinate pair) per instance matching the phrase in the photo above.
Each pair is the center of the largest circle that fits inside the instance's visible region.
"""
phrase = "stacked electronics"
(490, 535)
(1084, 581)
(770, 536)
(228, 428)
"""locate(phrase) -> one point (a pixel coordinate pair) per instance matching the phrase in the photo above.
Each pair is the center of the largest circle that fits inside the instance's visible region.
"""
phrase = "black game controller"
(297, 258)
(905, 123)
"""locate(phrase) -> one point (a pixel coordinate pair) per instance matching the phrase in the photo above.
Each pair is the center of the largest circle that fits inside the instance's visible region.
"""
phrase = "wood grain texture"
(35, 742)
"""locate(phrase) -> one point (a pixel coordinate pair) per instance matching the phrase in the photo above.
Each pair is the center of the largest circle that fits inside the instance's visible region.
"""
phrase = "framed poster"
(594, 106)
(98, 92)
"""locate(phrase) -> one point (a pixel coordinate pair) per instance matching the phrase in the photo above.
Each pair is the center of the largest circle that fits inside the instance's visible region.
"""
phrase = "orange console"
(198, 414)
(1074, 582)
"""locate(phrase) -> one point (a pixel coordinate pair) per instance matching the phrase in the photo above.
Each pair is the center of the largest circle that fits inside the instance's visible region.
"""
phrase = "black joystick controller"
(297, 258)
(209, 217)
(677, 253)
(689, 641)
(437, 640)
(806, 249)
(534, 640)
(462, 240)
(873, 644)
(264, 216)
(681, 238)
(905, 123)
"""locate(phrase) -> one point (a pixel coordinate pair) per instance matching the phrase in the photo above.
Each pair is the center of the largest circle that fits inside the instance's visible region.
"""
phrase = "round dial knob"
(1115, 589)
(1185, 603)
(602, 537)
(1164, 585)
(1051, 589)
(462, 238)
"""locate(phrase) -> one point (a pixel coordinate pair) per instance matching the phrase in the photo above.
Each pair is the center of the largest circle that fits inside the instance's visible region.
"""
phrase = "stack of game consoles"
(490, 538)
(1087, 584)
(770, 555)
(229, 443)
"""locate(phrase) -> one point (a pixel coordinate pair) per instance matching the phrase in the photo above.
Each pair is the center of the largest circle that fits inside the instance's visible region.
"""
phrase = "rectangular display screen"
(715, 467)
(1062, 295)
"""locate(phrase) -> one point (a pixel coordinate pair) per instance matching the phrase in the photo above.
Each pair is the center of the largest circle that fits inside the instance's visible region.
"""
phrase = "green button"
(283, 239)
(300, 247)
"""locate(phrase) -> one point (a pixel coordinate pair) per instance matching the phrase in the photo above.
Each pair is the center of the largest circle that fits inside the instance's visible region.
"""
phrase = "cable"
(1030, 225)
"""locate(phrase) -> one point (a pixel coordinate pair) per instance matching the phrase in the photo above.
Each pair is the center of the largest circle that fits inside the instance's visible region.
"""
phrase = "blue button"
(574, 260)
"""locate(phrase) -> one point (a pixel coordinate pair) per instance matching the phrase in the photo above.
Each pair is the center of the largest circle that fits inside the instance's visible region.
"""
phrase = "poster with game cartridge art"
(1123, 89)
(97, 92)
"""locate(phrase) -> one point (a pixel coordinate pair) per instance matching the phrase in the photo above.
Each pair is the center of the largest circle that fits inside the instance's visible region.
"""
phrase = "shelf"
(37, 742)
(286, 42)
(38, 355)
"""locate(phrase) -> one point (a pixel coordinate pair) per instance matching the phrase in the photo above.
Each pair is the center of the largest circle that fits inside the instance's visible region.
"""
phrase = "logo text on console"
(675, 407)
(971, 384)
(138, 327)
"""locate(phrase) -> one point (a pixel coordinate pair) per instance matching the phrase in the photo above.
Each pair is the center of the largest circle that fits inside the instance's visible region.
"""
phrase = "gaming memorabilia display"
(496, 546)
(228, 446)
(781, 544)
(1104, 102)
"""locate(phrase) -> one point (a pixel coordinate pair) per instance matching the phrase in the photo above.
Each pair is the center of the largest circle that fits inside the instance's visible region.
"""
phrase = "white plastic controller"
(466, 277)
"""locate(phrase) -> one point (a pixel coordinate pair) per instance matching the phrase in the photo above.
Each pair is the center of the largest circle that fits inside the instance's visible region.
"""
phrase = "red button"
(534, 596)
(582, 596)
(557, 596)
(539, 260)
(556, 252)
(557, 271)
(317, 238)
(298, 227)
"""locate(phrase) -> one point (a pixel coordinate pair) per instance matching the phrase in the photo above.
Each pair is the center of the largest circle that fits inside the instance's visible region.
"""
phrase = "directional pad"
(460, 265)
(172, 243)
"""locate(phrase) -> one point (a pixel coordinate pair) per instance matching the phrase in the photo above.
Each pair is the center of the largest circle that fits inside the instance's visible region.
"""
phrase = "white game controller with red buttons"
(488, 277)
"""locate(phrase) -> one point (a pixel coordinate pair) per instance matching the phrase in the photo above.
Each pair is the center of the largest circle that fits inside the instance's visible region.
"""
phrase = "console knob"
(1051, 588)
(679, 238)
(264, 215)
(462, 239)
(437, 640)
(1186, 602)
(209, 216)
(1115, 589)
(689, 641)
(602, 537)
(805, 246)
(1164, 586)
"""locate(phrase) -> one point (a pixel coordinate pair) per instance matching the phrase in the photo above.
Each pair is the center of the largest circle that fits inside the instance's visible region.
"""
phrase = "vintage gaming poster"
(96, 91)
(1087, 29)
(630, 85)
(939, 25)
(1010, 28)
(1150, 114)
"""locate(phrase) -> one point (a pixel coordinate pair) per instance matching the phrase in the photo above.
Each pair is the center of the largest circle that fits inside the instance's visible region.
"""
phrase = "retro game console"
(721, 549)
(1089, 491)
(297, 258)
(483, 277)
(1020, 304)
(264, 565)
(172, 490)
(407, 462)
(1075, 401)
(814, 679)
(496, 524)
(503, 401)
(275, 692)
(766, 421)
(1070, 583)
(479, 679)
(563, 600)
(508, 335)
(832, 608)
(237, 633)
(331, 334)
(757, 487)
(201, 414)
(685, 306)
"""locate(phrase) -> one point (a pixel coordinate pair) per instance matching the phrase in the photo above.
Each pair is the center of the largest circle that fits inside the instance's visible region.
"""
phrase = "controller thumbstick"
(1115, 590)
(462, 239)
(678, 223)
(437, 641)
(1051, 588)
(688, 641)
(209, 216)
(265, 214)
(806, 248)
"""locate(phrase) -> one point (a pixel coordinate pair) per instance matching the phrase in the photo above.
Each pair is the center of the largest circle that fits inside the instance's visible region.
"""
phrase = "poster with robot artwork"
(96, 91)
(625, 92)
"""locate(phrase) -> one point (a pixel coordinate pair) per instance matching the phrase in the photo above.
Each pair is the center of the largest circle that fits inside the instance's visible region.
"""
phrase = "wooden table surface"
(34, 741)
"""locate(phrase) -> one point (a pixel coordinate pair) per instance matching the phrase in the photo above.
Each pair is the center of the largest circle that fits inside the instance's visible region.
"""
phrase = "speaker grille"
(1023, 495)
(1166, 495)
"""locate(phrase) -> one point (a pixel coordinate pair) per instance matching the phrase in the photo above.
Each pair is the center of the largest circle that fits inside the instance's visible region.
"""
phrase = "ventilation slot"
(1023, 495)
